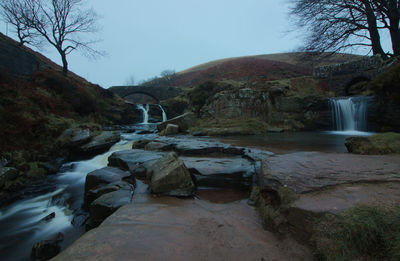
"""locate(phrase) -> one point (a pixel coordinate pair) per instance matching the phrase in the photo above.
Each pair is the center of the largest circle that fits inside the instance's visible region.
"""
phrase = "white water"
(21, 224)
(145, 110)
(164, 115)
(145, 113)
(350, 115)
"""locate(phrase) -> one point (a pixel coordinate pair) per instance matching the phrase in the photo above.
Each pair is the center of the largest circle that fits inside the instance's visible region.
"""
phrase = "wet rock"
(130, 159)
(49, 217)
(199, 147)
(171, 129)
(309, 171)
(220, 172)
(140, 144)
(45, 250)
(170, 176)
(74, 137)
(107, 204)
(175, 229)
(103, 177)
(7, 174)
(54, 166)
(159, 146)
(378, 144)
(3, 162)
(143, 132)
(93, 194)
(99, 144)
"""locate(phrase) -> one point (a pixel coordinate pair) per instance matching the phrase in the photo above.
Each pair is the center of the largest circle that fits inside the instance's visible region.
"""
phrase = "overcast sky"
(144, 37)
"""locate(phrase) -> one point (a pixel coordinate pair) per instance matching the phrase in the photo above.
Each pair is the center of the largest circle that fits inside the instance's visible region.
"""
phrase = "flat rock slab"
(342, 197)
(310, 171)
(183, 230)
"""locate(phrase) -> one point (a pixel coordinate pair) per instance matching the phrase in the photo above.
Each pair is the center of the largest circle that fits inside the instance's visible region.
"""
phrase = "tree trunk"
(373, 30)
(65, 62)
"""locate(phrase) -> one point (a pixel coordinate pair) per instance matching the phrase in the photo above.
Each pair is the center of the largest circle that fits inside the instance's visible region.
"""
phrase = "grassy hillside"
(38, 102)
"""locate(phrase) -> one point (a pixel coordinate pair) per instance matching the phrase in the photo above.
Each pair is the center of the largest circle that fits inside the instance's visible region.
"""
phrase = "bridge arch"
(159, 93)
(354, 81)
(125, 95)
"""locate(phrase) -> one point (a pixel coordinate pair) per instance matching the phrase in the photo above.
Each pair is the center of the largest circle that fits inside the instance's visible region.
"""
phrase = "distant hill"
(254, 69)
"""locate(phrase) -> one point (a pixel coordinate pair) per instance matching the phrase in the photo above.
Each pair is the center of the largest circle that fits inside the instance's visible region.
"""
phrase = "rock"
(304, 172)
(140, 144)
(49, 217)
(99, 144)
(93, 194)
(107, 204)
(7, 174)
(170, 176)
(131, 159)
(3, 162)
(171, 129)
(74, 137)
(184, 122)
(54, 166)
(233, 172)
(104, 176)
(379, 144)
(299, 188)
(176, 229)
(159, 146)
(143, 132)
(45, 250)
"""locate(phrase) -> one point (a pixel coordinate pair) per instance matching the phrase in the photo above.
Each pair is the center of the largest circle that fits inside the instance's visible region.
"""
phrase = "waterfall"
(349, 114)
(145, 113)
(164, 115)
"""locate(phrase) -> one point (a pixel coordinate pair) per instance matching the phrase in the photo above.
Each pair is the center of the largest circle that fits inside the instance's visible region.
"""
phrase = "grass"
(360, 233)
(378, 144)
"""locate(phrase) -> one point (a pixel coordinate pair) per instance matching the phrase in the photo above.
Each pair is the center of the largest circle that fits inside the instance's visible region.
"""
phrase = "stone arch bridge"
(340, 77)
(158, 93)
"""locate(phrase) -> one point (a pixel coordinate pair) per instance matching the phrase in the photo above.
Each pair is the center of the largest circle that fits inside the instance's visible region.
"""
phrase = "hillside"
(38, 103)
(253, 70)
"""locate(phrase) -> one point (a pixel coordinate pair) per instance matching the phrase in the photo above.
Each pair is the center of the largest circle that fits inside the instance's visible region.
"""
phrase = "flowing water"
(164, 115)
(349, 115)
(145, 112)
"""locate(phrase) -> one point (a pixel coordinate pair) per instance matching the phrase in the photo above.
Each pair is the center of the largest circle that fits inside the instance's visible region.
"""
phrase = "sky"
(144, 37)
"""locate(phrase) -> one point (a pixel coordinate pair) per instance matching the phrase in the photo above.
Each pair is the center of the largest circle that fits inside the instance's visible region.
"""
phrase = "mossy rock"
(379, 144)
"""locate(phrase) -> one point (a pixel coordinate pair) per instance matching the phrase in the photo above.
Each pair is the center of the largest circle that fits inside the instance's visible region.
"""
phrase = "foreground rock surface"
(176, 229)
(307, 185)
(309, 171)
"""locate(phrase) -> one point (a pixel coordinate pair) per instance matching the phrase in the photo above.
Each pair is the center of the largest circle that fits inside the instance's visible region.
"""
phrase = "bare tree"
(62, 23)
(130, 80)
(335, 25)
(13, 12)
(168, 77)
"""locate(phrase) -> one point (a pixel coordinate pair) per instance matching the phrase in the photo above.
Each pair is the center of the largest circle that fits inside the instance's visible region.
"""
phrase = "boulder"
(170, 176)
(184, 121)
(234, 172)
(97, 192)
(379, 144)
(159, 146)
(74, 137)
(99, 144)
(131, 159)
(140, 144)
(3, 162)
(45, 250)
(105, 176)
(7, 174)
(107, 204)
(171, 129)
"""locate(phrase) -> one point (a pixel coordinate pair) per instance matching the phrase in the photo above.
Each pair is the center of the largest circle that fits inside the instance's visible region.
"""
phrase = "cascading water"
(349, 114)
(146, 108)
(164, 115)
(145, 113)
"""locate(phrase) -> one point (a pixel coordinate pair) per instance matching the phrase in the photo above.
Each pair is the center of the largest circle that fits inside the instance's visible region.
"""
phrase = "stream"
(46, 215)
